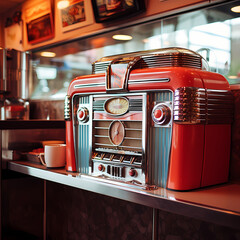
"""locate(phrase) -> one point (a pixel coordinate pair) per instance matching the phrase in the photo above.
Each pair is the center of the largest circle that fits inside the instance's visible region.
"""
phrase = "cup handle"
(41, 159)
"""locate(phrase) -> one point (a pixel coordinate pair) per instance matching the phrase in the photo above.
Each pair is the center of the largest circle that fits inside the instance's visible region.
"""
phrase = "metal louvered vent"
(169, 60)
(166, 57)
(196, 105)
(100, 67)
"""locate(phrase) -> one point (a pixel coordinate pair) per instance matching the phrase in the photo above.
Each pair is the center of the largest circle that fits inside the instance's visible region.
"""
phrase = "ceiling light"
(62, 4)
(232, 77)
(48, 54)
(122, 37)
(236, 9)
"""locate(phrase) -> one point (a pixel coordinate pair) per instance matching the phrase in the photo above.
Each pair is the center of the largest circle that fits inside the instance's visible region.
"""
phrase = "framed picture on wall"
(39, 21)
(112, 9)
(77, 14)
(40, 29)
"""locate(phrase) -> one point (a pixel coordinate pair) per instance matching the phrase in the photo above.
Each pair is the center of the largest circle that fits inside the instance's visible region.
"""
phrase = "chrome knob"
(161, 114)
(82, 114)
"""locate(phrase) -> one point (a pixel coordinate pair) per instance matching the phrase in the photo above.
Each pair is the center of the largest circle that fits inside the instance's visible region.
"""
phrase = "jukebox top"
(164, 57)
(118, 67)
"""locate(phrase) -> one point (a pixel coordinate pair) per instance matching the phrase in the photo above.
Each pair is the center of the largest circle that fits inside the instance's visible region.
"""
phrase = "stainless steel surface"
(3, 82)
(14, 73)
(162, 199)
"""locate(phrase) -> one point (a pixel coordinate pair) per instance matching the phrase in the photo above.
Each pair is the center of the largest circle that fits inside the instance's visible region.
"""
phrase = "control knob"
(101, 168)
(132, 172)
(82, 114)
(161, 114)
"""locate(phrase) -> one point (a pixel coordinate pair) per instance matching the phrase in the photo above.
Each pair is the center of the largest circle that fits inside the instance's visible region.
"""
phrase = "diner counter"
(217, 204)
(31, 124)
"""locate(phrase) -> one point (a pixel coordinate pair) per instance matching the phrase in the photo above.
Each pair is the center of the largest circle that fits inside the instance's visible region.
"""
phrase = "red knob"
(81, 114)
(158, 113)
(132, 172)
(100, 167)
(161, 114)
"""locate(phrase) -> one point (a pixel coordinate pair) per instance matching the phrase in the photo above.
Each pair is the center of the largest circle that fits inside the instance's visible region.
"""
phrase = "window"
(213, 32)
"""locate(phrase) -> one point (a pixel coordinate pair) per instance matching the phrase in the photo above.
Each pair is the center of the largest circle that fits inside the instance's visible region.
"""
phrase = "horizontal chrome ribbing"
(67, 108)
(134, 105)
(168, 57)
(198, 105)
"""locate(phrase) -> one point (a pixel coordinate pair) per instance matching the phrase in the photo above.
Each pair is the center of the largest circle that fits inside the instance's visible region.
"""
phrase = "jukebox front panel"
(117, 134)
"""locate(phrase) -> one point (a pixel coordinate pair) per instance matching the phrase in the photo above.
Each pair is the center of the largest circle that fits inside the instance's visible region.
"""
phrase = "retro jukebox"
(150, 118)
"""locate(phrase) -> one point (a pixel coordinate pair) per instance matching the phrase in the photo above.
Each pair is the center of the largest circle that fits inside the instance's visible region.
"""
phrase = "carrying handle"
(41, 156)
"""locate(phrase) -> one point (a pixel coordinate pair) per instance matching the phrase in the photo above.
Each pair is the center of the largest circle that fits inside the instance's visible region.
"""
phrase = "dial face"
(116, 106)
(116, 133)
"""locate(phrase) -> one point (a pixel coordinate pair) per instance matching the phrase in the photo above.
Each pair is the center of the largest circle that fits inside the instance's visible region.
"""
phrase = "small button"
(81, 114)
(158, 113)
(132, 172)
(161, 114)
(101, 168)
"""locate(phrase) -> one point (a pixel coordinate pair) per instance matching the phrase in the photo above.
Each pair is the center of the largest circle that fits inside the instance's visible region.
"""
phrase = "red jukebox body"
(152, 118)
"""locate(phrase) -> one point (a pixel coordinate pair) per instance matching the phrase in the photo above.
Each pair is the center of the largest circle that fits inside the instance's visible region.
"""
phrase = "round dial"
(116, 133)
(116, 106)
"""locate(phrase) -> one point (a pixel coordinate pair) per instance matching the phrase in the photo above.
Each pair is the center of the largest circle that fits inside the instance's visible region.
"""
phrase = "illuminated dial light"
(116, 133)
(116, 106)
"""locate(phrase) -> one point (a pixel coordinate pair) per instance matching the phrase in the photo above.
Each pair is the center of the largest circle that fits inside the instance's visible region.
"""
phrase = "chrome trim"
(67, 108)
(130, 61)
(89, 85)
(107, 150)
(202, 106)
(131, 82)
(145, 135)
(90, 133)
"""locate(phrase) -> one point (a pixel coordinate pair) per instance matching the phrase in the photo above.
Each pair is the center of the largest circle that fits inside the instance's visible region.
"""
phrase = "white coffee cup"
(54, 155)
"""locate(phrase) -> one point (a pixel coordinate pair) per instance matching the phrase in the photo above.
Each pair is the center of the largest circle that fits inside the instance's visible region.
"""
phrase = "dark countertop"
(217, 204)
(31, 124)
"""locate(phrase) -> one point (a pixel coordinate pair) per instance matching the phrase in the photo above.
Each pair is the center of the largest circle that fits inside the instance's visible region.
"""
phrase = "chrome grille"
(134, 105)
(100, 67)
(132, 141)
(169, 60)
(196, 105)
(165, 57)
